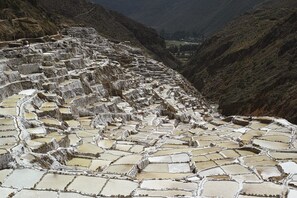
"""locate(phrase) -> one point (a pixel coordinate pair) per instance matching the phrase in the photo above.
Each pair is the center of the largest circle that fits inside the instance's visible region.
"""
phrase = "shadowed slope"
(250, 66)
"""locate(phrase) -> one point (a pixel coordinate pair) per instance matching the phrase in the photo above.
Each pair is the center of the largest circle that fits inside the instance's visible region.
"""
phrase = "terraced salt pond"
(77, 121)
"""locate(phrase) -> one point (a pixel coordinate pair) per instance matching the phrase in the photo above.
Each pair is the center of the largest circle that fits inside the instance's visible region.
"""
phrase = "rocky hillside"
(20, 18)
(200, 16)
(250, 66)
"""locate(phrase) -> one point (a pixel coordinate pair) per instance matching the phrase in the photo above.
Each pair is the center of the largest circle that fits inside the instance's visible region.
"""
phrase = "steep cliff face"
(20, 18)
(250, 66)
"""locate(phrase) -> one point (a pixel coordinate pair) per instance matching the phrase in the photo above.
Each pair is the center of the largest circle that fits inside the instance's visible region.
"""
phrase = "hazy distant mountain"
(200, 16)
(250, 67)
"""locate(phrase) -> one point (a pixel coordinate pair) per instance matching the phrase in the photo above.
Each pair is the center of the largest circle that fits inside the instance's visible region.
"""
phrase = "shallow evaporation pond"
(220, 189)
(23, 178)
(271, 145)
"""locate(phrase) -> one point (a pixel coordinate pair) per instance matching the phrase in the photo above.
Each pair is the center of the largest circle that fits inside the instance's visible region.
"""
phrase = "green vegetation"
(183, 36)
(250, 66)
(182, 50)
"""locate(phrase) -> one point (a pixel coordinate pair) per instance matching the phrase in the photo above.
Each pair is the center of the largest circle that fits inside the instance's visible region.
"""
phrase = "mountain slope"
(19, 19)
(250, 66)
(43, 17)
(179, 15)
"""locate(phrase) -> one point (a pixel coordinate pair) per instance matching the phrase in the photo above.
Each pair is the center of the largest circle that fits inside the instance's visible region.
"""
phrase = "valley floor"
(182, 50)
(85, 117)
